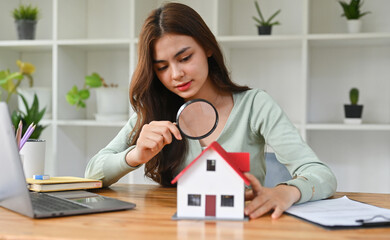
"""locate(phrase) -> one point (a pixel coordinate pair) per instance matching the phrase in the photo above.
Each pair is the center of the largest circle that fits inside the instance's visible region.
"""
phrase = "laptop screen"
(13, 187)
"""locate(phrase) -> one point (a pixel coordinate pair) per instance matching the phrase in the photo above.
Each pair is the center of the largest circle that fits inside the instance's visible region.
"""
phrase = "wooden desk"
(151, 219)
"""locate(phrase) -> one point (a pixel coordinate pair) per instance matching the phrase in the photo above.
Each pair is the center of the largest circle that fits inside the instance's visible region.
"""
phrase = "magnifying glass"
(197, 119)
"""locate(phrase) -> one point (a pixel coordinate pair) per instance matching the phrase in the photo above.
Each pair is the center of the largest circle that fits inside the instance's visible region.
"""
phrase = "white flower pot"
(112, 104)
(44, 99)
(354, 26)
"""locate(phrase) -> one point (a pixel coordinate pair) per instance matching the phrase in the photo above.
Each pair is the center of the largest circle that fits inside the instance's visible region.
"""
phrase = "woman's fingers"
(257, 201)
(249, 195)
(261, 209)
(254, 194)
(256, 185)
(264, 199)
(277, 213)
(153, 137)
(152, 141)
(174, 130)
(167, 125)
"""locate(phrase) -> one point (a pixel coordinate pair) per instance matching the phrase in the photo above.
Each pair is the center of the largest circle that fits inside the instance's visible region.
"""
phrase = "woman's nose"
(177, 72)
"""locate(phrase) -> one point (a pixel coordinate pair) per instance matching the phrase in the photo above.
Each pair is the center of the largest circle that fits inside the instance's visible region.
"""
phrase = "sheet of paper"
(338, 212)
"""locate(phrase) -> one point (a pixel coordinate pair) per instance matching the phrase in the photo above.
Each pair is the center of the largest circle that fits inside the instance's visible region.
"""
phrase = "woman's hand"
(263, 199)
(153, 137)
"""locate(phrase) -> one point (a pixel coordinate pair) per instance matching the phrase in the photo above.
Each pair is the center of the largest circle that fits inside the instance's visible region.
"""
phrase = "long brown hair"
(150, 99)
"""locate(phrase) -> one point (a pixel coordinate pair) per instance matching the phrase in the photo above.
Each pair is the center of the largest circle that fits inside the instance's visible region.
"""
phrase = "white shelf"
(260, 41)
(27, 45)
(91, 123)
(348, 40)
(97, 44)
(352, 127)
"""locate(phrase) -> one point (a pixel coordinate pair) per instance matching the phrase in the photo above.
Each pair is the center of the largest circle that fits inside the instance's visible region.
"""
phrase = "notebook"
(65, 183)
(15, 196)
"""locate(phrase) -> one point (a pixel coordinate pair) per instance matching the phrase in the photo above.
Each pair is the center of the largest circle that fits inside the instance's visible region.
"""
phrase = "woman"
(179, 59)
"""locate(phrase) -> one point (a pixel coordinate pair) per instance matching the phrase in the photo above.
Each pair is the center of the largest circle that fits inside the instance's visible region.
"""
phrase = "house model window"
(210, 165)
(227, 201)
(193, 199)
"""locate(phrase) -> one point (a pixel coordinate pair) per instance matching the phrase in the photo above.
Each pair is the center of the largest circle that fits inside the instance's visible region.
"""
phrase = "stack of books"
(62, 184)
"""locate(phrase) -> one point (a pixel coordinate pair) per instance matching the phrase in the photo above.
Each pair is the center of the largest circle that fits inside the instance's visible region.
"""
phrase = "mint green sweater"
(255, 121)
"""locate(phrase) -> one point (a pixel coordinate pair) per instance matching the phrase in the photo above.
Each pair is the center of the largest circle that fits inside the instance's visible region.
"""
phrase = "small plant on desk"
(32, 116)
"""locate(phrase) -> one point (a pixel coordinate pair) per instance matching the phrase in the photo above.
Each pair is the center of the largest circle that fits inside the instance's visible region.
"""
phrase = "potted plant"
(11, 83)
(264, 27)
(112, 101)
(352, 12)
(353, 111)
(32, 115)
(26, 17)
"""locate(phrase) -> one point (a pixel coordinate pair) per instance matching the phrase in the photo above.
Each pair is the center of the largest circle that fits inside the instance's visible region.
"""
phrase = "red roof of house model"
(238, 161)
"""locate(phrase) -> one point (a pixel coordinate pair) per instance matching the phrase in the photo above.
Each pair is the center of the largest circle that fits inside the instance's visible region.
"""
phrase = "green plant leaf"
(71, 98)
(77, 96)
(82, 104)
(15, 118)
(363, 14)
(74, 89)
(259, 12)
(262, 21)
(84, 94)
(32, 115)
(25, 12)
(259, 22)
(37, 132)
(93, 81)
(40, 115)
(272, 17)
(351, 10)
(5, 76)
(354, 96)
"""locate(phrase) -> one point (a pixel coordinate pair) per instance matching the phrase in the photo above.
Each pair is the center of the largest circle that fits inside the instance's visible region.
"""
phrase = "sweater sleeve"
(311, 176)
(109, 164)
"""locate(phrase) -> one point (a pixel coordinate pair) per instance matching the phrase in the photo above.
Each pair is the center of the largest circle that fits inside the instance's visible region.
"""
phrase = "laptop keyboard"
(47, 203)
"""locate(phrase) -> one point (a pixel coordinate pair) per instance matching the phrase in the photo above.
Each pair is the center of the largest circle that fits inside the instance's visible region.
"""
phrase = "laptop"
(15, 196)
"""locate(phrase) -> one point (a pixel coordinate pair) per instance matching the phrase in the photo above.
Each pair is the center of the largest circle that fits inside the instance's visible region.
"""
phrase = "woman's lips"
(184, 87)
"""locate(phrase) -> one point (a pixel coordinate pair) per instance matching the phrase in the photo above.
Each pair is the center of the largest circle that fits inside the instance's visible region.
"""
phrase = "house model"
(212, 186)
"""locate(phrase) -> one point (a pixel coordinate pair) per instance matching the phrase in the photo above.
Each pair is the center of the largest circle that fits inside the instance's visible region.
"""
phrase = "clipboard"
(371, 223)
(341, 213)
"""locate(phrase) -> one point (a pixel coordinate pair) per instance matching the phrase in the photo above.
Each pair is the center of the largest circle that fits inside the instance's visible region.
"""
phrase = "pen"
(19, 133)
(27, 135)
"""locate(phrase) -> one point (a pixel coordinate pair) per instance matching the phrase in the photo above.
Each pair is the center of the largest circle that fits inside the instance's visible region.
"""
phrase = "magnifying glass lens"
(197, 119)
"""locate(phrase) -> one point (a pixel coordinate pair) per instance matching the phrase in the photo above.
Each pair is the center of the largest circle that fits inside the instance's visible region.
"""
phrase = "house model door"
(210, 205)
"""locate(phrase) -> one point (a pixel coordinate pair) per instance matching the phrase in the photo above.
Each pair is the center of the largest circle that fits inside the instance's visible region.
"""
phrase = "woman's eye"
(186, 58)
(162, 68)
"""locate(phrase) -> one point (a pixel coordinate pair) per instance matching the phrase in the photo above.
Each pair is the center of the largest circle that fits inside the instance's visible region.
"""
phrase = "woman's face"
(181, 65)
